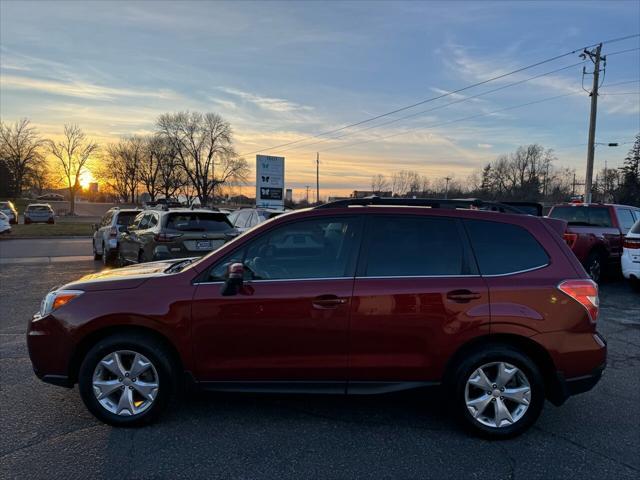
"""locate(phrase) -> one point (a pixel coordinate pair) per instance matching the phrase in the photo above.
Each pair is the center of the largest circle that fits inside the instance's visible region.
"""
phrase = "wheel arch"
(526, 345)
(94, 337)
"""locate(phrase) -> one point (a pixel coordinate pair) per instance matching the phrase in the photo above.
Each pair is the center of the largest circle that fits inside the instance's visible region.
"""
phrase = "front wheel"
(593, 266)
(127, 380)
(499, 392)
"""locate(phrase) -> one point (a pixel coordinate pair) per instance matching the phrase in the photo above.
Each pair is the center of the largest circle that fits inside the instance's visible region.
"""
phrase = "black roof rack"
(425, 202)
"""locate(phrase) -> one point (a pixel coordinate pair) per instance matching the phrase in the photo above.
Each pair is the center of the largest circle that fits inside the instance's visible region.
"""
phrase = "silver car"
(247, 218)
(10, 211)
(105, 237)
(39, 213)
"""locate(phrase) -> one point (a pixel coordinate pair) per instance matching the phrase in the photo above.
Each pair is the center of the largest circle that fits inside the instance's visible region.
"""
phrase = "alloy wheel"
(125, 383)
(497, 394)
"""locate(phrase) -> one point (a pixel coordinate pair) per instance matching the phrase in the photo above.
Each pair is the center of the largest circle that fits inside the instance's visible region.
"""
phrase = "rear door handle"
(463, 296)
(328, 301)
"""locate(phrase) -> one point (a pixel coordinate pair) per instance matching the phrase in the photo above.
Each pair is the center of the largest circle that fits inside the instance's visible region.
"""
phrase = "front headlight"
(57, 299)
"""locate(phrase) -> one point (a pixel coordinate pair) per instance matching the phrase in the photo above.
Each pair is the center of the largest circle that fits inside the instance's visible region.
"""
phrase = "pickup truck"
(595, 232)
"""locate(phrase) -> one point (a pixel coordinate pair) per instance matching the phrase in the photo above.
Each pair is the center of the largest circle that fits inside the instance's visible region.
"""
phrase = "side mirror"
(233, 283)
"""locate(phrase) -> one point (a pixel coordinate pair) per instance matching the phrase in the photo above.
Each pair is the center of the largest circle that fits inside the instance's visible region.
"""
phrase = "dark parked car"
(106, 233)
(492, 306)
(596, 233)
(55, 197)
(179, 233)
(247, 218)
(39, 213)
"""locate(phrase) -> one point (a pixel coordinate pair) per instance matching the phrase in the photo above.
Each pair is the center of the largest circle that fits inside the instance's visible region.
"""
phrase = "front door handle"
(463, 296)
(328, 301)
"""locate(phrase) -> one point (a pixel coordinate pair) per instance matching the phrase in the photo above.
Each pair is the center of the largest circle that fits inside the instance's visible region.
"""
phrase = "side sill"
(317, 387)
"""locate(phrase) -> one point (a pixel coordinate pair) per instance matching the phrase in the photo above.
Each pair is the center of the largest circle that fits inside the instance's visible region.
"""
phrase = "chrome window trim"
(364, 277)
(518, 271)
(248, 282)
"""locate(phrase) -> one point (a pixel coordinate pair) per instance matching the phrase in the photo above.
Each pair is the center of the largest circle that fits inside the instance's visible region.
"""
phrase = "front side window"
(125, 219)
(405, 246)
(503, 248)
(318, 248)
(625, 217)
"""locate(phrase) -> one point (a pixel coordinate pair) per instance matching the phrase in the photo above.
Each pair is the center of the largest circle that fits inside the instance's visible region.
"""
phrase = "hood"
(122, 278)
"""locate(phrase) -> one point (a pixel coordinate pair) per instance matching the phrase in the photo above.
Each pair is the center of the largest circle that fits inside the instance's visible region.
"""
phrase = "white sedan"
(631, 255)
(5, 225)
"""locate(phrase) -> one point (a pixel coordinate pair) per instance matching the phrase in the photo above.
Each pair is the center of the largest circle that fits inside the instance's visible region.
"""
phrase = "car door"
(417, 297)
(128, 240)
(290, 320)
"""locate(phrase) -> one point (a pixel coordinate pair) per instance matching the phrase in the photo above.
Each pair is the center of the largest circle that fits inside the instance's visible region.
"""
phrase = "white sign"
(269, 181)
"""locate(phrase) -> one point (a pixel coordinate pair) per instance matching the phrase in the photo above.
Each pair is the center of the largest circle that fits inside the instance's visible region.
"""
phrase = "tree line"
(527, 174)
(189, 154)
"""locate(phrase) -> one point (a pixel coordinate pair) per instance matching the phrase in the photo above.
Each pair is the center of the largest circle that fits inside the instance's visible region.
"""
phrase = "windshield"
(583, 216)
(199, 222)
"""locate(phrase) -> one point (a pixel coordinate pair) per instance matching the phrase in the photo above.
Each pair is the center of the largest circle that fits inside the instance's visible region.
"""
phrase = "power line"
(625, 82)
(477, 84)
(439, 107)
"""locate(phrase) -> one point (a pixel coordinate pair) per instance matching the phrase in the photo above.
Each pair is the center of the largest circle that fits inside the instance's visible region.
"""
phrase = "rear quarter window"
(503, 248)
(198, 222)
(636, 227)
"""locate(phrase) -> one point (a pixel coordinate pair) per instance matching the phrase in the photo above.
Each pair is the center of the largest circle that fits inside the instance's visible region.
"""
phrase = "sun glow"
(86, 178)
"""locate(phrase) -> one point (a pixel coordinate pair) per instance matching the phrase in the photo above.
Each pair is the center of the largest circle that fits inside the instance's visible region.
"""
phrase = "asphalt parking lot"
(45, 431)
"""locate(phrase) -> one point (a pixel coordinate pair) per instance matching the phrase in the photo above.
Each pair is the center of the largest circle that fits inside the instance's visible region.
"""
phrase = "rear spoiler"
(556, 224)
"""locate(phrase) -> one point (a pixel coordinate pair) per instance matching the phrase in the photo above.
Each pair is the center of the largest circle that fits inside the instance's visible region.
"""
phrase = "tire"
(594, 266)
(141, 258)
(96, 255)
(483, 421)
(126, 406)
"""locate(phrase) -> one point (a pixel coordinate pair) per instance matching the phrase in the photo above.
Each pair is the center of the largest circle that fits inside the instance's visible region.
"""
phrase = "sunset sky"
(281, 72)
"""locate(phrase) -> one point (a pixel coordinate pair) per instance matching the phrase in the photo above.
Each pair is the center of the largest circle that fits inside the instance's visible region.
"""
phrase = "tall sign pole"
(594, 55)
(318, 178)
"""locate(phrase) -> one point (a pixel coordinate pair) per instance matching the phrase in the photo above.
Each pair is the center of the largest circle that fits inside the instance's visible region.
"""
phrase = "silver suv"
(105, 237)
(247, 218)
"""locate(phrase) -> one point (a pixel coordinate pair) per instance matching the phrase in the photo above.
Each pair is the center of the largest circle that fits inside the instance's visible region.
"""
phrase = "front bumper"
(50, 351)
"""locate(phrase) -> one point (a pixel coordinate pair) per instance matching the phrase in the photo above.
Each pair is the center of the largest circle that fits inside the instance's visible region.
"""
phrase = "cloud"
(267, 103)
(79, 89)
(485, 145)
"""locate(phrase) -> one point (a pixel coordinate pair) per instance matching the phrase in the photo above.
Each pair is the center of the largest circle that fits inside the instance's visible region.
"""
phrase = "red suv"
(361, 296)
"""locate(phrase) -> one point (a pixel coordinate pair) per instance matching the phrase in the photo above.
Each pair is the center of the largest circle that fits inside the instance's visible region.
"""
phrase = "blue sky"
(280, 72)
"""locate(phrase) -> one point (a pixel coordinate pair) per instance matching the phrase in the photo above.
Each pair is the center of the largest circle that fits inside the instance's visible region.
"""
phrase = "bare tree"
(149, 165)
(21, 148)
(73, 153)
(379, 183)
(121, 167)
(404, 182)
(204, 146)
(40, 177)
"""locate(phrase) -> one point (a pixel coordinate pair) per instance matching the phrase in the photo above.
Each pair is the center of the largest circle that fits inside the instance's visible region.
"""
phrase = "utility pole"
(318, 178)
(307, 194)
(446, 188)
(594, 56)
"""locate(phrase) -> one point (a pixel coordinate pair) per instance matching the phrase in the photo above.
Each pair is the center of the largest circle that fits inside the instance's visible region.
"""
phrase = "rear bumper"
(573, 386)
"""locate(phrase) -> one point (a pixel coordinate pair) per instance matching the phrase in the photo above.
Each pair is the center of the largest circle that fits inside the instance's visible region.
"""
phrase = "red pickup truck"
(595, 233)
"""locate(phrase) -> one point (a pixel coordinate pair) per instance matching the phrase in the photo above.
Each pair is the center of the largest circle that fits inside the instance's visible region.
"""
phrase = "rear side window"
(625, 217)
(405, 246)
(583, 216)
(198, 222)
(125, 218)
(636, 228)
(502, 248)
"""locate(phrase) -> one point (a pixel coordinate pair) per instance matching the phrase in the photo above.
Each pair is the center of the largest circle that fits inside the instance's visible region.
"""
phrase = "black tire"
(594, 266)
(154, 351)
(141, 257)
(486, 355)
(96, 255)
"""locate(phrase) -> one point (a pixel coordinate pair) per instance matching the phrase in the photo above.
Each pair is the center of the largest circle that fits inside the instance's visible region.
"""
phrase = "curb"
(46, 260)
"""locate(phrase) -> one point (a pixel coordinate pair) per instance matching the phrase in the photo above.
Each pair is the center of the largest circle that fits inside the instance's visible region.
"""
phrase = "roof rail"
(424, 202)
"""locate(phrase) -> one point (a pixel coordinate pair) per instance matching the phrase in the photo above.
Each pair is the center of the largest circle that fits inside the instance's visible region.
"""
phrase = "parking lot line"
(32, 260)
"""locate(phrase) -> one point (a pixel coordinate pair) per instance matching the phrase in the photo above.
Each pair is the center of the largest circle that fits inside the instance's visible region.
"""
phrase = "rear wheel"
(127, 380)
(499, 392)
(96, 255)
(594, 265)
(141, 258)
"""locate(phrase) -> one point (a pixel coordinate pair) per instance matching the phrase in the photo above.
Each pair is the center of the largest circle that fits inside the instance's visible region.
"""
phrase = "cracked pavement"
(46, 432)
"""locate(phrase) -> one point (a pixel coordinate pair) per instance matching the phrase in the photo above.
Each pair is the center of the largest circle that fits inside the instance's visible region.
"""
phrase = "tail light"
(570, 238)
(585, 292)
(632, 243)
(166, 237)
(113, 232)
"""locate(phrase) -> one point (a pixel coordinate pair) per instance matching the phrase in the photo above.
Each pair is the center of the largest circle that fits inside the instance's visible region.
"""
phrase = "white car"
(631, 255)
(5, 224)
